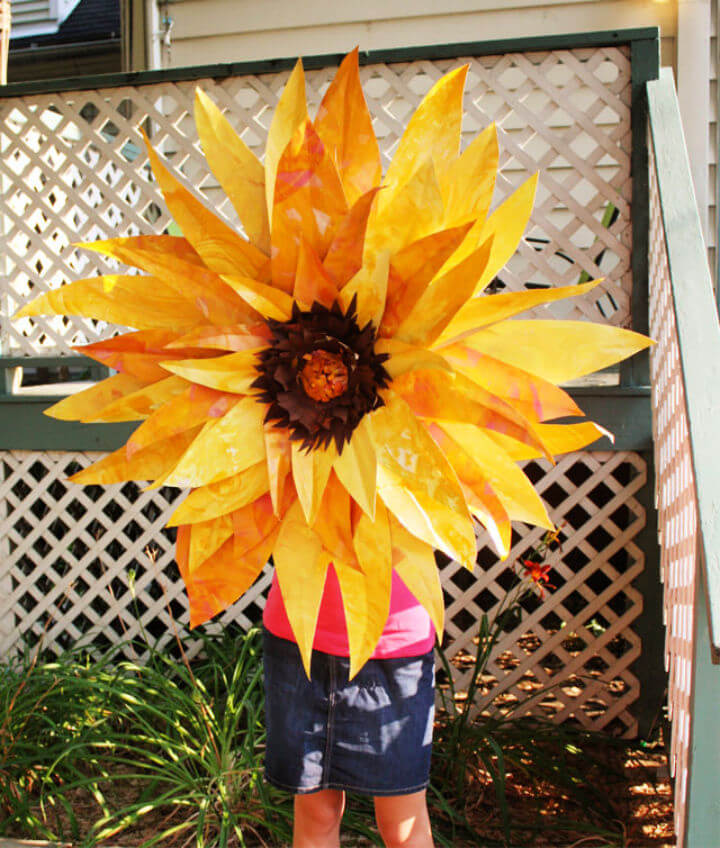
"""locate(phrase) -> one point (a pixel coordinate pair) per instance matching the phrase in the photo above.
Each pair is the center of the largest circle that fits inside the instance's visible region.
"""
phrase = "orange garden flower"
(332, 385)
(539, 574)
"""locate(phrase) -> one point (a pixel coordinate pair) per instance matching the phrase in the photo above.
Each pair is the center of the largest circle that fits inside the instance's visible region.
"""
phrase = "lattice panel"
(676, 502)
(70, 552)
(73, 168)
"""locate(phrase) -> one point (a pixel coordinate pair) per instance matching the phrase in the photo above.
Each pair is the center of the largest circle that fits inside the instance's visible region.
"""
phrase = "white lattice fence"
(77, 567)
(676, 501)
(73, 168)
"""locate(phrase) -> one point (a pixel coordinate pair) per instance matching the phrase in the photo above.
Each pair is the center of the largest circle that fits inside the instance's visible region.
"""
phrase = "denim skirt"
(371, 735)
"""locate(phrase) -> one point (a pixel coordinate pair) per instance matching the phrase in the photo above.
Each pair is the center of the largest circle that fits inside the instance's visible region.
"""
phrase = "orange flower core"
(324, 375)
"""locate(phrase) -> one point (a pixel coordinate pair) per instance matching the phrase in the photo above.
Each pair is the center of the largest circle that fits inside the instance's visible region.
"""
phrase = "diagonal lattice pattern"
(676, 501)
(73, 168)
(94, 563)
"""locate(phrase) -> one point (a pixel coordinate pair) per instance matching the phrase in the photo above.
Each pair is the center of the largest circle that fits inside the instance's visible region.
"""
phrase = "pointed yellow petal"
(255, 521)
(232, 337)
(531, 396)
(212, 298)
(207, 537)
(413, 211)
(141, 403)
(453, 397)
(145, 303)
(489, 309)
(369, 287)
(277, 449)
(146, 464)
(513, 488)
(333, 524)
(406, 357)
(418, 484)
(191, 406)
(356, 468)
(558, 438)
(223, 448)
(443, 298)
(506, 226)
(309, 204)
(310, 470)
(267, 300)
(373, 550)
(414, 561)
(234, 372)
(84, 405)
(357, 596)
(468, 182)
(239, 171)
(221, 248)
(301, 569)
(223, 497)
(224, 577)
(411, 271)
(312, 281)
(345, 254)
(290, 112)
(557, 351)
(151, 248)
(433, 130)
(344, 124)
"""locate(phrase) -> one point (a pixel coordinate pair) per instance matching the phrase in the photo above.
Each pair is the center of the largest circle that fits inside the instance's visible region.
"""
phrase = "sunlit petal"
(223, 497)
(312, 282)
(558, 438)
(356, 468)
(89, 403)
(234, 372)
(311, 470)
(468, 182)
(345, 254)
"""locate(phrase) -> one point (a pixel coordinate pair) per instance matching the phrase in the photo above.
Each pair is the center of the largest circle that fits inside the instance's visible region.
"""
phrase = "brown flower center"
(324, 375)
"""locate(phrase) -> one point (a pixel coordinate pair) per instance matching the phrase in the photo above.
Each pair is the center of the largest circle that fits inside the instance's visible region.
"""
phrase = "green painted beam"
(626, 413)
(604, 38)
(697, 326)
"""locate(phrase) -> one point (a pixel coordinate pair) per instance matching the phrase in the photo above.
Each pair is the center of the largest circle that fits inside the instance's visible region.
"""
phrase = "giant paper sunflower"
(333, 385)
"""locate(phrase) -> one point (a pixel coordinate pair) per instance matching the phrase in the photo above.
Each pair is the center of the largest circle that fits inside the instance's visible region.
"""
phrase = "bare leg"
(403, 821)
(317, 819)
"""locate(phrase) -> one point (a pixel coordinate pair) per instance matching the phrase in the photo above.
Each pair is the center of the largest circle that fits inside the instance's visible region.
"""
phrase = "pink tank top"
(408, 631)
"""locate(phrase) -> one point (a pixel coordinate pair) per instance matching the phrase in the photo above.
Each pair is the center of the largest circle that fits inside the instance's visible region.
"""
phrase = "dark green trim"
(645, 66)
(697, 326)
(69, 361)
(604, 38)
(649, 668)
(24, 427)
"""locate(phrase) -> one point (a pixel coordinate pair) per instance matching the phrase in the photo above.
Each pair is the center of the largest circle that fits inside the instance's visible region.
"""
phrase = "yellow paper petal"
(483, 310)
(277, 449)
(311, 470)
(223, 448)
(414, 561)
(369, 288)
(232, 337)
(418, 484)
(207, 537)
(190, 406)
(301, 569)
(221, 248)
(345, 254)
(557, 351)
(443, 298)
(344, 124)
(145, 303)
(356, 468)
(232, 373)
(146, 464)
(373, 550)
(290, 113)
(239, 171)
(223, 497)
(558, 438)
(468, 182)
(312, 281)
(531, 396)
(412, 212)
(505, 226)
(267, 300)
(406, 357)
(141, 403)
(433, 130)
(411, 271)
(84, 405)
(333, 524)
